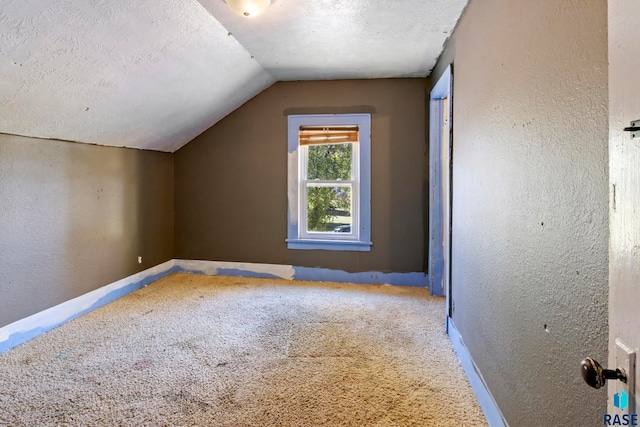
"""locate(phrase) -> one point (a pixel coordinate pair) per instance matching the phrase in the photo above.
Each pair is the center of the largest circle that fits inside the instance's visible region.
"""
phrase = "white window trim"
(359, 239)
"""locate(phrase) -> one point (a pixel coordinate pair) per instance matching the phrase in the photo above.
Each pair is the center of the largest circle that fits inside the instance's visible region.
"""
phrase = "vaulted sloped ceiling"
(153, 74)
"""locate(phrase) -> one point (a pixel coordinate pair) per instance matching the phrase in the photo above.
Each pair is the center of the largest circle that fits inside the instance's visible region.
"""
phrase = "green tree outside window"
(328, 162)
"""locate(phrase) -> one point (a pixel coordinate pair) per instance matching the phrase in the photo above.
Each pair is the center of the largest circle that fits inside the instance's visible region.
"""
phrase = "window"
(329, 190)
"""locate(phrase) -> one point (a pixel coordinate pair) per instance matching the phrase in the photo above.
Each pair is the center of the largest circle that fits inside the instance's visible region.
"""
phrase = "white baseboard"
(30, 327)
(489, 407)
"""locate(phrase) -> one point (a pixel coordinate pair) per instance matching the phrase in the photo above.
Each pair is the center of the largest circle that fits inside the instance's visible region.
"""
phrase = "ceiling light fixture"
(248, 8)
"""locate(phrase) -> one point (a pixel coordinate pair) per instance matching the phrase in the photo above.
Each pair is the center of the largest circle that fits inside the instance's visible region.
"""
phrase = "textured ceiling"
(154, 74)
(344, 39)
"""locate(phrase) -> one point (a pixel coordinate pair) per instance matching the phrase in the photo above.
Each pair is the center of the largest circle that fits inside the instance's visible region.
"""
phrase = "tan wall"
(530, 202)
(75, 217)
(231, 182)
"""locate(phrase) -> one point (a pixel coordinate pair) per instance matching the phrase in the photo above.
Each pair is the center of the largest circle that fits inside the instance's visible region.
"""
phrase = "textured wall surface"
(231, 182)
(75, 217)
(530, 202)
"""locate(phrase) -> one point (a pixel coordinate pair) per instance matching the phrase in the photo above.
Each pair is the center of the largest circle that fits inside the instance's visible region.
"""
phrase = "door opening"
(440, 188)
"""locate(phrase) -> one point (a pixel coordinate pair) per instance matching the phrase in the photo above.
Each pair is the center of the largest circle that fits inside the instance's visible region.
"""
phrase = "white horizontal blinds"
(312, 135)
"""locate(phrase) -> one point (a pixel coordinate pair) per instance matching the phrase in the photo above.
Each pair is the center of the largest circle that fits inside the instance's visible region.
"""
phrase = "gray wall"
(530, 204)
(75, 217)
(231, 182)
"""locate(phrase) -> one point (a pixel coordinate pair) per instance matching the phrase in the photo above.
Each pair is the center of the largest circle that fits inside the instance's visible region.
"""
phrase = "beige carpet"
(226, 351)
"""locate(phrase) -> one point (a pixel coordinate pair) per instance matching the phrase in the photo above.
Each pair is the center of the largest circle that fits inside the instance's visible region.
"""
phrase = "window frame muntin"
(303, 185)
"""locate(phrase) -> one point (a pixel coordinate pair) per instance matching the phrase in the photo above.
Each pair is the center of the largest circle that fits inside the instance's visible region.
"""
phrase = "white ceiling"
(153, 74)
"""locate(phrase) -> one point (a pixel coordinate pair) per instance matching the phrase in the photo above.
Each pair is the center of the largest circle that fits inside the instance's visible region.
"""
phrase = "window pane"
(329, 161)
(329, 209)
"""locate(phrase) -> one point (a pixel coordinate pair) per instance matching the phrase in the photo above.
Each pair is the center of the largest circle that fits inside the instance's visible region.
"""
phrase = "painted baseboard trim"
(289, 272)
(30, 327)
(244, 269)
(488, 404)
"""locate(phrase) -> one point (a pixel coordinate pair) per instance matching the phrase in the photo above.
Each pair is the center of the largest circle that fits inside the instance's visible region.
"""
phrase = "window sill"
(329, 245)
